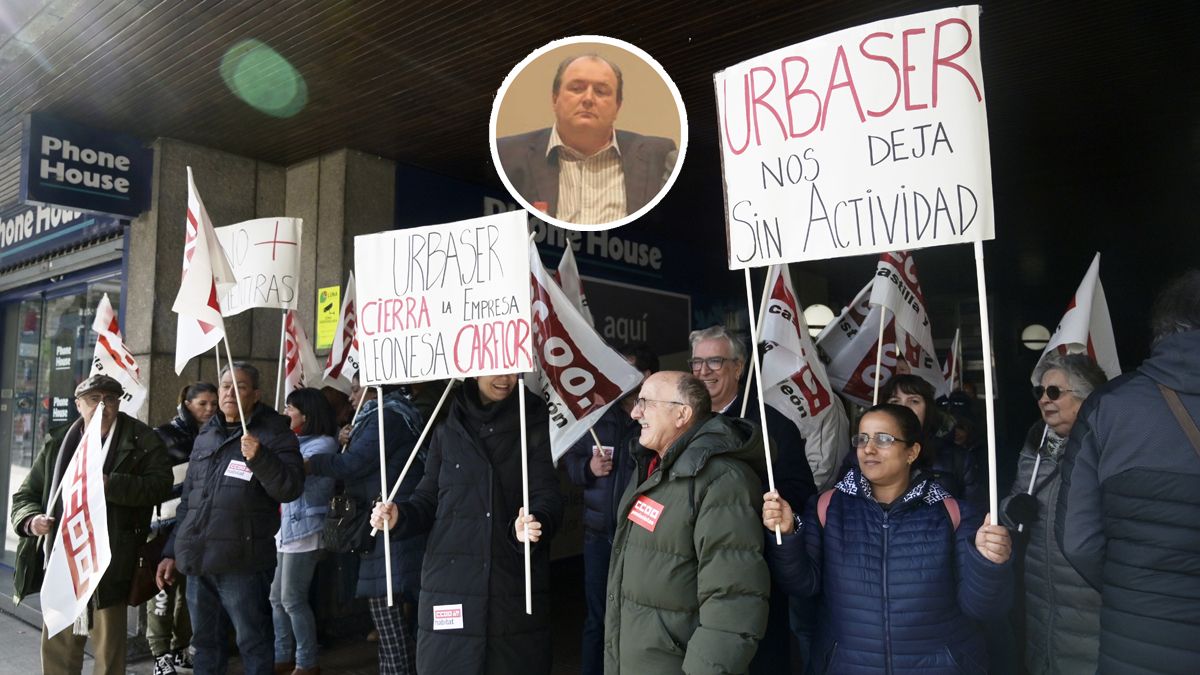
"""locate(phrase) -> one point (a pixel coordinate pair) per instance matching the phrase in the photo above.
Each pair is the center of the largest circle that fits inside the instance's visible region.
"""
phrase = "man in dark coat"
(471, 619)
(603, 474)
(1129, 507)
(227, 520)
(624, 171)
(137, 476)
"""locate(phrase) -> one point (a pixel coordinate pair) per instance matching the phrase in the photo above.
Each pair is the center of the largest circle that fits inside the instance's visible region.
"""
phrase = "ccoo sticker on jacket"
(447, 617)
(645, 512)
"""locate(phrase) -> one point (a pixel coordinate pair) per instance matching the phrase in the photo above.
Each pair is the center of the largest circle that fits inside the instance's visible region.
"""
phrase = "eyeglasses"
(1052, 392)
(641, 402)
(883, 440)
(713, 363)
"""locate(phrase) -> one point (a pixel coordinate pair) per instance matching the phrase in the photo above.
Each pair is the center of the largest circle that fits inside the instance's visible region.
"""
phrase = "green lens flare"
(263, 79)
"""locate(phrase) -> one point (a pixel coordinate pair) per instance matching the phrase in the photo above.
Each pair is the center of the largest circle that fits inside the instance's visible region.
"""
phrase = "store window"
(47, 347)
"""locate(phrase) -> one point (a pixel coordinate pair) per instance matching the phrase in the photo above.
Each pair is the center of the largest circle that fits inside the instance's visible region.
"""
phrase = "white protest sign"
(444, 301)
(867, 140)
(265, 256)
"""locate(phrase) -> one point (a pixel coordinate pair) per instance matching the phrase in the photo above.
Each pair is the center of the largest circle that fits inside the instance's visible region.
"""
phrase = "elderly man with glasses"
(719, 360)
(687, 583)
(137, 477)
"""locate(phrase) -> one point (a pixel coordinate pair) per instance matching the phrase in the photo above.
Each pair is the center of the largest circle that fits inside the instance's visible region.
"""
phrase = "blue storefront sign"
(77, 167)
(28, 232)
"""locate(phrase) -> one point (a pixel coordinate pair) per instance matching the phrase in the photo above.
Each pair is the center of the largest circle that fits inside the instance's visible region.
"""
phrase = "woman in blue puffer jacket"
(906, 572)
(299, 538)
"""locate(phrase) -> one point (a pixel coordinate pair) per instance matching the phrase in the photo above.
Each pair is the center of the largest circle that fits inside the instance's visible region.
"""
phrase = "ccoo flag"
(572, 285)
(1087, 327)
(206, 276)
(576, 373)
(301, 368)
(341, 366)
(112, 358)
(795, 382)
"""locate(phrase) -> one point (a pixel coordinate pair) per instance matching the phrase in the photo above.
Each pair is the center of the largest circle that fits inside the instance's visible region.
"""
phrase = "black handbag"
(347, 526)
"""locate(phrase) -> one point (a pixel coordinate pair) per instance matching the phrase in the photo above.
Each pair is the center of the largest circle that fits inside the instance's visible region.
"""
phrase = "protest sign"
(444, 301)
(265, 256)
(867, 140)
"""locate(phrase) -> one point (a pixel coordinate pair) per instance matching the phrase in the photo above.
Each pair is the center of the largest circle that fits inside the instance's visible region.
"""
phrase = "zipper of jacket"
(887, 617)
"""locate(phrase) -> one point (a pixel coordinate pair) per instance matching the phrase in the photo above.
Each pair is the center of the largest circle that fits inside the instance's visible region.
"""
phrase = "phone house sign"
(76, 167)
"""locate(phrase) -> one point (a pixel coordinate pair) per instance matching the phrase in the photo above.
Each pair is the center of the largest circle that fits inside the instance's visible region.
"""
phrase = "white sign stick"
(387, 524)
(762, 406)
(762, 307)
(989, 402)
(879, 354)
(233, 380)
(417, 446)
(217, 353)
(525, 498)
(279, 370)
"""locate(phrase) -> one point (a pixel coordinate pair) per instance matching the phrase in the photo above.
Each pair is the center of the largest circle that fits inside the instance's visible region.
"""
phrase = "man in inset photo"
(583, 170)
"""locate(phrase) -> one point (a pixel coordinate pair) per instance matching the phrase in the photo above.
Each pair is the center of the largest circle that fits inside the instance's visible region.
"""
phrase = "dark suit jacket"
(646, 161)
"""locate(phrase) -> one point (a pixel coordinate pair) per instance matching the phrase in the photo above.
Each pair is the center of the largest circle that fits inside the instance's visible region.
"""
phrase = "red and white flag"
(300, 365)
(795, 382)
(898, 289)
(80, 551)
(577, 374)
(572, 285)
(849, 342)
(112, 358)
(1087, 327)
(952, 369)
(206, 275)
(341, 366)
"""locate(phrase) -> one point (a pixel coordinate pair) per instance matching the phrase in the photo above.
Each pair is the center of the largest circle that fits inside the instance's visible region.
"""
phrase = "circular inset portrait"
(588, 132)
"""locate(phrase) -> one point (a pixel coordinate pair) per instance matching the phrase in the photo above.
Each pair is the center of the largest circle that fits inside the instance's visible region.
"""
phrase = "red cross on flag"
(206, 275)
(80, 551)
(341, 366)
(112, 358)
(300, 365)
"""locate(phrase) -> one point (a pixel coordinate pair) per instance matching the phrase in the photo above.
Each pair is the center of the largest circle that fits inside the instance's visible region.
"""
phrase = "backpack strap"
(951, 505)
(1181, 416)
(823, 505)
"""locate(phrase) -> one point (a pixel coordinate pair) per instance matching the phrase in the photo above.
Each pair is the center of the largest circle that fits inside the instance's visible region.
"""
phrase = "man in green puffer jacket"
(137, 476)
(687, 584)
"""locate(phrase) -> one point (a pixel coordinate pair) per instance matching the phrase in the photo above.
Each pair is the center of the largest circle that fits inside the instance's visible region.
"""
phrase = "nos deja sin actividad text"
(405, 337)
(791, 99)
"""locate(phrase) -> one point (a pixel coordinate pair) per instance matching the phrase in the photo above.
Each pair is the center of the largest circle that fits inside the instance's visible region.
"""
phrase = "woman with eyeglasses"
(1062, 612)
(906, 572)
(960, 470)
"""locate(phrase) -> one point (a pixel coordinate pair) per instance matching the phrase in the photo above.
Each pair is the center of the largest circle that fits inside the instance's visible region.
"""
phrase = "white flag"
(577, 374)
(1087, 327)
(795, 383)
(80, 551)
(896, 287)
(572, 285)
(301, 368)
(112, 358)
(952, 369)
(341, 366)
(206, 275)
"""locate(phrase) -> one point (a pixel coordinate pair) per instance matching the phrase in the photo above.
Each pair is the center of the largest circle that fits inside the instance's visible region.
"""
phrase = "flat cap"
(101, 383)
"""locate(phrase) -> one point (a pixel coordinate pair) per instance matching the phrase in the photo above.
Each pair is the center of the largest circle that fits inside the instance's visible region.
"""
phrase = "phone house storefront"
(55, 265)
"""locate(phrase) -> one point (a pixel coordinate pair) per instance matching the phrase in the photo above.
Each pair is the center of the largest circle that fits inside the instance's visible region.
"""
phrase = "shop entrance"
(46, 346)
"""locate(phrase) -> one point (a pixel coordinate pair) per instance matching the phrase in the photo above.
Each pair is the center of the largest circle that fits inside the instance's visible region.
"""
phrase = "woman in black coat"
(472, 616)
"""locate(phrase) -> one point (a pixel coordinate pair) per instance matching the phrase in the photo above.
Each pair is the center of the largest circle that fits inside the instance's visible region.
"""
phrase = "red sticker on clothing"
(645, 512)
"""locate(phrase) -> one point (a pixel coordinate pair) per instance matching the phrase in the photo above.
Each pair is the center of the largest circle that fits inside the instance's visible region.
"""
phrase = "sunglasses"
(1052, 392)
(883, 440)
